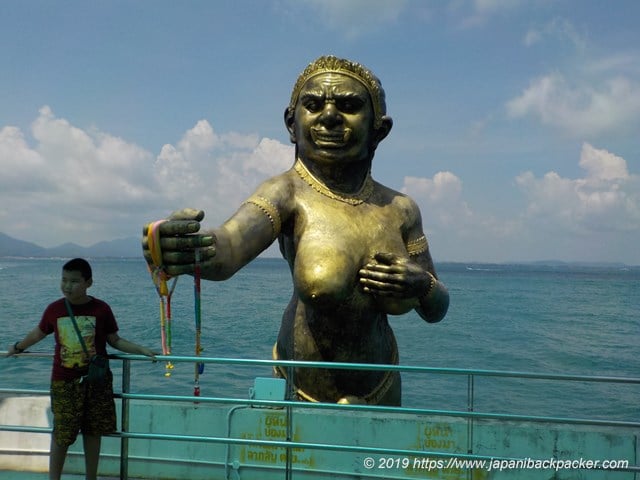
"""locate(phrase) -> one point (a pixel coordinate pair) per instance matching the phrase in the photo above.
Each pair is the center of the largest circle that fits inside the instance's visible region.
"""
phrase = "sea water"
(558, 319)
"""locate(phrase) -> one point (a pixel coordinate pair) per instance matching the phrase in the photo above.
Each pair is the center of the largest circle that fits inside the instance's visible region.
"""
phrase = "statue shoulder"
(278, 192)
(398, 199)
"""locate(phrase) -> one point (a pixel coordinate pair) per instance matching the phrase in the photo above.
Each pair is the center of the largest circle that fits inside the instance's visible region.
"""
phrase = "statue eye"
(312, 104)
(349, 105)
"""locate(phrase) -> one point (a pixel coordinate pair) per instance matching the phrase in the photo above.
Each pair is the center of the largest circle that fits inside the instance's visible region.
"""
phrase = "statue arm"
(433, 303)
(251, 229)
(407, 281)
(433, 296)
(225, 249)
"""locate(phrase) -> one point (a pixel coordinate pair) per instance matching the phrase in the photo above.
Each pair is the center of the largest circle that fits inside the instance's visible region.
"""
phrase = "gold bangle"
(432, 284)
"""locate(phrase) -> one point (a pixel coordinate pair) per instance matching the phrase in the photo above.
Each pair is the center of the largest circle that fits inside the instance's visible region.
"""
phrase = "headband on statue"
(331, 64)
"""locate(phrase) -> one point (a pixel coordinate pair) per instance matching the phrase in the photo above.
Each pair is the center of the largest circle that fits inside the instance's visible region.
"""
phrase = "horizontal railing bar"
(20, 428)
(376, 409)
(24, 391)
(382, 409)
(368, 366)
(330, 447)
(307, 445)
(28, 354)
(294, 444)
(373, 366)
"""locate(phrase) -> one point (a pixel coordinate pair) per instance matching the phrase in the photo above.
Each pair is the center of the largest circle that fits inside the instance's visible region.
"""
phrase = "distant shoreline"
(471, 265)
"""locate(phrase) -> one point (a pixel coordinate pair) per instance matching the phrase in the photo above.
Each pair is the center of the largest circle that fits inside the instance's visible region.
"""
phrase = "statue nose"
(330, 114)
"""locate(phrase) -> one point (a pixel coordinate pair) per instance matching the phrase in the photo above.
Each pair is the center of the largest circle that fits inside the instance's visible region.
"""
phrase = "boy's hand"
(12, 350)
(149, 353)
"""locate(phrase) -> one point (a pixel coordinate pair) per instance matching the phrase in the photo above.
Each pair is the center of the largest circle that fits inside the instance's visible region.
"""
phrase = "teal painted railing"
(470, 415)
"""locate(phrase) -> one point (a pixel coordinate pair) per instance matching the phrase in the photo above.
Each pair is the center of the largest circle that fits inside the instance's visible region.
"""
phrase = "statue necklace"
(357, 198)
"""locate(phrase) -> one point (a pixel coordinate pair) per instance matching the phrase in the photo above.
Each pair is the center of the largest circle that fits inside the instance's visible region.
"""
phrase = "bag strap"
(75, 326)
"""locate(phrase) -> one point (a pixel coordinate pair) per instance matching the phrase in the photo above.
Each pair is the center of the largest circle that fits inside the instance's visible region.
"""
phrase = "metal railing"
(470, 415)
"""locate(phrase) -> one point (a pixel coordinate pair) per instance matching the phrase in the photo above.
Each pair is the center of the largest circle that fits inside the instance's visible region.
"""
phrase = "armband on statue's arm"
(270, 211)
(433, 303)
(417, 246)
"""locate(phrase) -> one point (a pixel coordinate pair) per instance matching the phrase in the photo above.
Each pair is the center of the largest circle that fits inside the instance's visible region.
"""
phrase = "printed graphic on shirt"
(71, 352)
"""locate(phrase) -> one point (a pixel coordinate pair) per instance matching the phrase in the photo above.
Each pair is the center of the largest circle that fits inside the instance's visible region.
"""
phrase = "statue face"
(333, 120)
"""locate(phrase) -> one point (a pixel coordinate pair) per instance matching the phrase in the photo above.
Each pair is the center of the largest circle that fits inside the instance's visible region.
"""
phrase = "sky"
(516, 123)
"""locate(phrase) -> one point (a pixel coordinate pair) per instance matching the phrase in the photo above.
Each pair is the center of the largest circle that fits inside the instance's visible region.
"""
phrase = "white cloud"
(85, 186)
(558, 28)
(217, 172)
(455, 231)
(441, 197)
(532, 37)
(606, 199)
(580, 109)
(603, 165)
(355, 17)
(617, 62)
(73, 185)
(23, 169)
(594, 217)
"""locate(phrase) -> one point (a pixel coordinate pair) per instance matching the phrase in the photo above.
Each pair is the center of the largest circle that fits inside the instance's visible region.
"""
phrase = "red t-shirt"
(95, 321)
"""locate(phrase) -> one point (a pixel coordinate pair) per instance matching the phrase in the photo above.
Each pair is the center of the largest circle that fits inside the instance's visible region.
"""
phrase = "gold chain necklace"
(355, 199)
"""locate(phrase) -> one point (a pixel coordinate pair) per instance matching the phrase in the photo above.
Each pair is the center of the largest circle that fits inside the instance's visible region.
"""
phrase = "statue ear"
(383, 130)
(289, 121)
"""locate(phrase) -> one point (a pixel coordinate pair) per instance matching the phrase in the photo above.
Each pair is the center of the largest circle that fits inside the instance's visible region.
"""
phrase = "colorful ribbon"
(199, 367)
(160, 279)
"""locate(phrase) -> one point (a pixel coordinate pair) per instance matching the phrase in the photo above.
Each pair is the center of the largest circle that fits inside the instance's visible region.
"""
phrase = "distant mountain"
(11, 247)
(125, 247)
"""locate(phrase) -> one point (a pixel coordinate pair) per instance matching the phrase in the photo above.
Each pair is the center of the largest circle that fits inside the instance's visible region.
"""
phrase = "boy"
(78, 405)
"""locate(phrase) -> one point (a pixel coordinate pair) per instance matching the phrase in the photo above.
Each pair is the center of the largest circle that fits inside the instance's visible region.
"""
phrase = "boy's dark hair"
(79, 265)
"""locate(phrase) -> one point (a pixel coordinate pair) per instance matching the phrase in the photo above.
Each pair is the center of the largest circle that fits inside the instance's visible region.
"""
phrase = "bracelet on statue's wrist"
(15, 347)
(432, 283)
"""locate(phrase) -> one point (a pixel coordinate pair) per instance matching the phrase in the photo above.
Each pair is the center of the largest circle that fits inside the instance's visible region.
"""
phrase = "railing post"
(124, 419)
(289, 409)
(470, 388)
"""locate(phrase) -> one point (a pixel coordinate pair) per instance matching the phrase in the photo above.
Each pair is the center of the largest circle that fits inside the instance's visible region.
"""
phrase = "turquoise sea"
(560, 319)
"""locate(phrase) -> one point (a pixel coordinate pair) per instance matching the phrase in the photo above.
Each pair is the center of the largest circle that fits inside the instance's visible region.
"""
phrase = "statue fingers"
(187, 242)
(187, 214)
(381, 286)
(381, 271)
(179, 227)
(183, 262)
(388, 258)
(187, 257)
(147, 255)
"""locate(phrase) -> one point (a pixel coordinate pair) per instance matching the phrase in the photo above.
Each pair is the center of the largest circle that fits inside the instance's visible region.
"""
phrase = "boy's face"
(74, 286)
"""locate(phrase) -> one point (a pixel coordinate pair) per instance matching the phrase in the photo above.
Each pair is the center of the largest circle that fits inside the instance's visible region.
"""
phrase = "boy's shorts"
(77, 406)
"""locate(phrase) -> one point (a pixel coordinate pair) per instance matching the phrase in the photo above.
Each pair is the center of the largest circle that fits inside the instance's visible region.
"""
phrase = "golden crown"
(332, 64)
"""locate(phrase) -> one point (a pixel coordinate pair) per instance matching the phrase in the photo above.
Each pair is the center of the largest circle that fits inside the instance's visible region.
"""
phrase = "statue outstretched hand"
(178, 240)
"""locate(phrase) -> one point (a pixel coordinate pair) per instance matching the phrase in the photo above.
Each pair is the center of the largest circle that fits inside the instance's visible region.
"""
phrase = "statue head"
(361, 103)
(331, 64)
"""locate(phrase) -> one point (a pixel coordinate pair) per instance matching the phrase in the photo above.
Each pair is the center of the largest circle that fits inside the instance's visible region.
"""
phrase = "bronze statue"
(356, 249)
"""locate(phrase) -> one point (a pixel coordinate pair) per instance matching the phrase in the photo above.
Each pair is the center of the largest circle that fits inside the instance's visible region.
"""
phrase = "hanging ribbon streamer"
(199, 366)
(160, 279)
